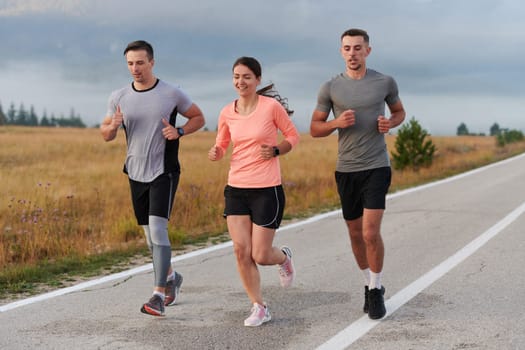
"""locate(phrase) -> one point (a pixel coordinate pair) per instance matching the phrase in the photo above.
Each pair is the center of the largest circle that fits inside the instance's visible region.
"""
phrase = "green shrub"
(508, 136)
(413, 149)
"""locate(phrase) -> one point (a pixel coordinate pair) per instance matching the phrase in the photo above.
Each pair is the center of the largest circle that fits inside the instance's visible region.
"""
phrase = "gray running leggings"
(159, 245)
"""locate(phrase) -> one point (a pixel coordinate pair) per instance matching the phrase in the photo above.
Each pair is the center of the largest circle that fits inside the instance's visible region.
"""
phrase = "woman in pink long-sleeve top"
(254, 196)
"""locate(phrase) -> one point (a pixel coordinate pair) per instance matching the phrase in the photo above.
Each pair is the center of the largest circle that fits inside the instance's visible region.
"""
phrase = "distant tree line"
(503, 135)
(495, 130)
(414, 148)
(24, 117)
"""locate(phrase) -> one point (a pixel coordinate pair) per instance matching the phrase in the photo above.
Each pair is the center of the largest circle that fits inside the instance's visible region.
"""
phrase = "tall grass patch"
(64, 194)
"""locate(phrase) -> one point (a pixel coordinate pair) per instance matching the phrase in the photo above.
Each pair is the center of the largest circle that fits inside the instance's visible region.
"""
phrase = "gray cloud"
(436, 50)
(13, 8)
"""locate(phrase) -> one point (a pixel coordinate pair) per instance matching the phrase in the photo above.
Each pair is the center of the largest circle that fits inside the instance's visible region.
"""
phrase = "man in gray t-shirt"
(147, 110)
(357, 99)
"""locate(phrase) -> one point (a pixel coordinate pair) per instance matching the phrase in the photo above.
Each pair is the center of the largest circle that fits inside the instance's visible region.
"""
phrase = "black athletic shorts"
(265, 206)
(363, 189)
(154, 198)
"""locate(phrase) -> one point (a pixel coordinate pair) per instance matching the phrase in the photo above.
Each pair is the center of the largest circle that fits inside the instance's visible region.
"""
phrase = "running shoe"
(154, 307)
(365, 306)
(260, 314)
(286, 270)
(173, 289)
(376, 303)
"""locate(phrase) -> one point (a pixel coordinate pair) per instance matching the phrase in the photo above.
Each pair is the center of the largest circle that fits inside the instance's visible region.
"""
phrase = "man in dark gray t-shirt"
(357, 99)
(147, 110)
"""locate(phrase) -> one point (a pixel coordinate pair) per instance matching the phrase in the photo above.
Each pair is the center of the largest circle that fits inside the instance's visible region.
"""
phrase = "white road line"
(108, 278)
(359, 328)
(148, 267)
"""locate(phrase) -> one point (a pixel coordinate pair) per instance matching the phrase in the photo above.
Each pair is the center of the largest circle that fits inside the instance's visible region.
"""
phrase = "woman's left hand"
(266, 152)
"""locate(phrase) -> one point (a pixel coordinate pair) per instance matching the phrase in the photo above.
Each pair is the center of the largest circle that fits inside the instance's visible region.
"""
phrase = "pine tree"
(32, 119)
(413, 148)
(495, 130)
(45, 121)
(11, 114)
(3, 117)
(22, 117)
(462, 129)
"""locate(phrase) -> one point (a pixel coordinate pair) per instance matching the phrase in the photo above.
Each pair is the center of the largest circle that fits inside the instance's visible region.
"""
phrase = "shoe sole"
(149, 311)
(376, 317)
(264, 320)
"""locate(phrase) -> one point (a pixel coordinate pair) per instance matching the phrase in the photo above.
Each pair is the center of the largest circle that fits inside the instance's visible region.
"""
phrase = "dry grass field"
(64, 194)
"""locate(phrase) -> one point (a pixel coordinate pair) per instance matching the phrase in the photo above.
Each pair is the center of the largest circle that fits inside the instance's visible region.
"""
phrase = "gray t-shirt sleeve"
(184, 101)
(112, 103)
(393, 92)
(324, 102)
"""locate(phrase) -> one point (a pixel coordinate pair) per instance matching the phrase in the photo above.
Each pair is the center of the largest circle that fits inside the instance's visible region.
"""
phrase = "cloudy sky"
(454, 60)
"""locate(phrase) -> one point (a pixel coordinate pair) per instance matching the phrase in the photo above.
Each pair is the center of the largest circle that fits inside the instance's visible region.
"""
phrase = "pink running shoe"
(260, 314)
(286, 270)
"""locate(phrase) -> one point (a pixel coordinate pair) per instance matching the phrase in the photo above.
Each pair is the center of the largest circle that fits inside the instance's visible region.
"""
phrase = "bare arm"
(194, 123)
(284, 147)
(320, 127)
(397, 114)
(195, 119)
(111, 124)
(267, 151)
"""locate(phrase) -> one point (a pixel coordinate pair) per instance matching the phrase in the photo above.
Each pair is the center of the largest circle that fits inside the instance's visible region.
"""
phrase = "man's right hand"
(111, 124)
(346, 119)
(118, 119)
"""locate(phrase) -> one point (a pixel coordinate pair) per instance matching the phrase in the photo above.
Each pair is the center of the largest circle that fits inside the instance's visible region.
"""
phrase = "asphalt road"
(455, 252)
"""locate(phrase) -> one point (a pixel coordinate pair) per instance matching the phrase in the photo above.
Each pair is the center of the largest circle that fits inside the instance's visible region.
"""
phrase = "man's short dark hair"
(357, 32)
(140, 45)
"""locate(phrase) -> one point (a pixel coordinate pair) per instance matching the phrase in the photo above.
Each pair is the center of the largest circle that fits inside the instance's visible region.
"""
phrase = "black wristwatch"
(180, 131)
(276, 151)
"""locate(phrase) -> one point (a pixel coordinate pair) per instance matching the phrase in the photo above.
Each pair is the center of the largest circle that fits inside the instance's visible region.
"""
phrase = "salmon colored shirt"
(247, 133)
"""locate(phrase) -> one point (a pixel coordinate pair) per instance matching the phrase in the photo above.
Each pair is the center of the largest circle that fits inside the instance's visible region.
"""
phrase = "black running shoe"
(365, 306)
(376, 303)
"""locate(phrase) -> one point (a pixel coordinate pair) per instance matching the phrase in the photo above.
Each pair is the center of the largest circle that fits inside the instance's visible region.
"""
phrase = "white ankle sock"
(375, 280)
